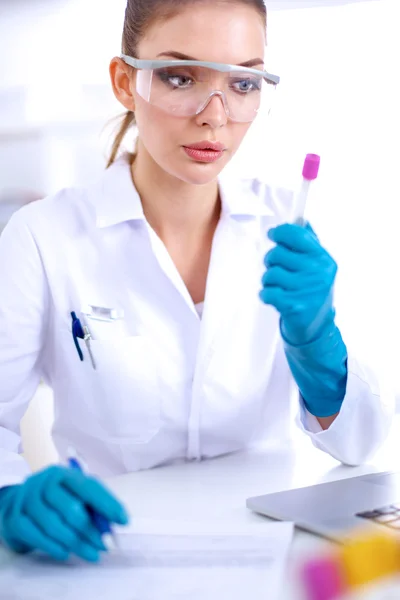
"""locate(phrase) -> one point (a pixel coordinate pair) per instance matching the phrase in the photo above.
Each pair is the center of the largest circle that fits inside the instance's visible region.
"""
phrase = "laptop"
(335, 510)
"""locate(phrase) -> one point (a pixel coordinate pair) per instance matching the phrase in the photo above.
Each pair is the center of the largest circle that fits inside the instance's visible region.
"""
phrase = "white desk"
(217, 489)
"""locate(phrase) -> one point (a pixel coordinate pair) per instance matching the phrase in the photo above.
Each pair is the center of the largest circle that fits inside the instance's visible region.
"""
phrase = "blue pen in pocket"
(102, 524)
(83, 333)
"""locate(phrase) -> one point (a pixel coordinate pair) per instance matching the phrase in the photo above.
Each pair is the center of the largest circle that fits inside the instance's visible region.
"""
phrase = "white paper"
(150, 566)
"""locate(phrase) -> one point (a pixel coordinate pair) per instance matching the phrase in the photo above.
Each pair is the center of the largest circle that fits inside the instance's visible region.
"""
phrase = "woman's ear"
(122, 80)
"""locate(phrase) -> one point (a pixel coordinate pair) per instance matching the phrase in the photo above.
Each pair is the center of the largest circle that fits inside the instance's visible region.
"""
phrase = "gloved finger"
(273, 296)
(50, 524)
(296, 238)
(310, 282)
(48, 521)
(282, 257)
(95, 495)
(30, 534)
(278, 277)
(74, 513)
(284, 302)
(86, 551)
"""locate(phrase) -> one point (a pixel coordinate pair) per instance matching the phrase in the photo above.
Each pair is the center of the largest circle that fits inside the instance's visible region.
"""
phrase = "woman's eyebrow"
(180, 56)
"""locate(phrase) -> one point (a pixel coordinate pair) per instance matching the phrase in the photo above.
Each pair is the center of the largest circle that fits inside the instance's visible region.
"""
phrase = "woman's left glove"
(299, 283)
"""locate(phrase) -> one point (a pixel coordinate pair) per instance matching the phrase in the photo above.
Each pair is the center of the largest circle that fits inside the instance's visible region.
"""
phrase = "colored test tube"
(310, 173)
(323, 579)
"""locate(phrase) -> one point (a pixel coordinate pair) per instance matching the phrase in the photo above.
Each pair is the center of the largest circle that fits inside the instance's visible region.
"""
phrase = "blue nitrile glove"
(299, 283)
(48, 512)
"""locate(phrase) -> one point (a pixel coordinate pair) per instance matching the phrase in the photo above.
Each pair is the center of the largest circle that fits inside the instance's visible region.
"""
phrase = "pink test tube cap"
(323, 580)
(311, 167)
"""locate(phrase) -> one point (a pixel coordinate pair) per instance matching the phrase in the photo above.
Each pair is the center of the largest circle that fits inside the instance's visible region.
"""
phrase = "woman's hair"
(139, 16)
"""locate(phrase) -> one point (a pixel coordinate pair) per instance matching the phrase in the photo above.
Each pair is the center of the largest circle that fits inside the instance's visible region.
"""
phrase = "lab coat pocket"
(125, 394)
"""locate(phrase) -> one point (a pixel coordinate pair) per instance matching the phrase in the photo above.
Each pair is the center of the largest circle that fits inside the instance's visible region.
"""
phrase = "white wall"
(55, 96)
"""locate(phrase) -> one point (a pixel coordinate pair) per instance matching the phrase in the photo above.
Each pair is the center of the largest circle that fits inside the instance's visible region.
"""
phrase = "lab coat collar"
(114, 197)
(116, 200)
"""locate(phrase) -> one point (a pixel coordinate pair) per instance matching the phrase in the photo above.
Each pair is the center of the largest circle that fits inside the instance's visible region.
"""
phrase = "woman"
(103, 291)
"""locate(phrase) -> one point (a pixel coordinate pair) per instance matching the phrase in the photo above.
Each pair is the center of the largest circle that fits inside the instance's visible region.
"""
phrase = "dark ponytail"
(127, 122)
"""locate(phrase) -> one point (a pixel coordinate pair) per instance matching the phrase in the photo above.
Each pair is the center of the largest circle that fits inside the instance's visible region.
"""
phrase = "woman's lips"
(203, 155)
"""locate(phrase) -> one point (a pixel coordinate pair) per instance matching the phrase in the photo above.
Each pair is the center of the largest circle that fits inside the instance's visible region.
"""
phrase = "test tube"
(310, 173)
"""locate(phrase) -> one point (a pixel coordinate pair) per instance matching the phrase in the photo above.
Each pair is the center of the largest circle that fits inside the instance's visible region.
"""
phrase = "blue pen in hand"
(102, 524)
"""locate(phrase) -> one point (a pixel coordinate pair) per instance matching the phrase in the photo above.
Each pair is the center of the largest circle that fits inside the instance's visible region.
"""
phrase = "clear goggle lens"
(186, 91)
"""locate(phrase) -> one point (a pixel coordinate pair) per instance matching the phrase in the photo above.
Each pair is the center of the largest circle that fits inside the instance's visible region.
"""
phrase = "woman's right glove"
(49, 512)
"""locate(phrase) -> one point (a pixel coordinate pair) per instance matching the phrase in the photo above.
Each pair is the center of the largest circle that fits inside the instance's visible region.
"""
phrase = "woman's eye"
(247, 85)
(175, 80)
(180, 80)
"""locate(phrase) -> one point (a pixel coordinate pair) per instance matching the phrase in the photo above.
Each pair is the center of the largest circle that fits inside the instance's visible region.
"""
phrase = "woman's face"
(215, 32)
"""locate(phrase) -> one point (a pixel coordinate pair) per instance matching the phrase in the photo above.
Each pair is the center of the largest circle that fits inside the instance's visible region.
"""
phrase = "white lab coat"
(168, 385)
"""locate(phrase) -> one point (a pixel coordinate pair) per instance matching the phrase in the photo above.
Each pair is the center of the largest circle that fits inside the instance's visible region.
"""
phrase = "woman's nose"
(214, 112)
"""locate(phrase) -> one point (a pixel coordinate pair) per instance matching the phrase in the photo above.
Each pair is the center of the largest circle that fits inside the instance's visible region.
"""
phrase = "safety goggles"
(184, 88)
